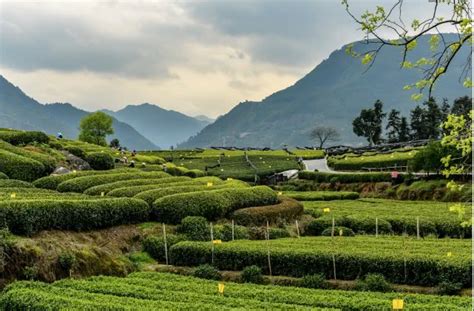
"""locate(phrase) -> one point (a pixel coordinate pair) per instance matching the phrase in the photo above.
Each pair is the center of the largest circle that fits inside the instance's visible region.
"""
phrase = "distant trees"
(425, 121)
(95, 127)
(324, 134)
(369, 123)
(114, 143)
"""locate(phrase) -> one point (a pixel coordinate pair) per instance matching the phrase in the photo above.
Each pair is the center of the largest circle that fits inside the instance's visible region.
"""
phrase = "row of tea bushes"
(160, 291)
(322, 177)
(321, 195)
(17, 137)
(348, 162)
(400, 260)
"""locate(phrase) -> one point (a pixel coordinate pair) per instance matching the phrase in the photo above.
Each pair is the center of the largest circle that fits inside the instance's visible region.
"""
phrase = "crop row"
(322, 177)
(400, 260)
(321, 195)
(353, 163)
(150, 290)
(392, 217)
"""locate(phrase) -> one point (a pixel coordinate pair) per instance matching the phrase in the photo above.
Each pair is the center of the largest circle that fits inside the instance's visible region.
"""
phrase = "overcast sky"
(196, 57)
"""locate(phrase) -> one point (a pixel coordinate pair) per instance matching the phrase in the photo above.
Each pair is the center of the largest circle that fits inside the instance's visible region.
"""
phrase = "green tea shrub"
(100, 161)
(285, 211)
(196, 228)
(317, 281)
(252, 274)
(207, 271)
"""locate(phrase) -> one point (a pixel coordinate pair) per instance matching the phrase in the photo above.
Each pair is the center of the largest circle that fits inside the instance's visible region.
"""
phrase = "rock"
(61, 170)
(76, 163)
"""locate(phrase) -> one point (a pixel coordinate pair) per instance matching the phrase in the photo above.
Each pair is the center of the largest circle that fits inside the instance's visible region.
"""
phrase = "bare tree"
(383, 23)
(324, 134)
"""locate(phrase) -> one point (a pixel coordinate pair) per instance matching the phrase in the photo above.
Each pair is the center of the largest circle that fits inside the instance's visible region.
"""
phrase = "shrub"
(48, 162)
(344, 177)
(322, 195)
(132, 184)
(14, 183)
(207, 272)
(338, 231)
(210, 204)
(100, 161)
(3, 176)
(373, 282)
(52, 182)
(67, 261)
(28, 216)
(16, 137)
(252, 274)
(447, 287)
(78, 152)
(224, 232)
(314, 281)
(195, 173)
(356, 224)
(155, 245)
(259, 233)
(30, 272)
(196, 228)
(80, 184)
(286, 211)
(19, 167)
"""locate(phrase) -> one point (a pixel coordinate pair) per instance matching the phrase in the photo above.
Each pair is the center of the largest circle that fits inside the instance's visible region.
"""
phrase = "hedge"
(134, 190)
(48, 162)
(400, 260)
(100, 161)
(356, 224)
(80, 184)
(344, 177)
(286, 211)
(3, 176)
(152, 195)
(30, 216)
(106, 188)
(52, 182)
(19, 167)
(321, 195)
(354, 163)
(16, 137)
(9, 183)
(210, 204)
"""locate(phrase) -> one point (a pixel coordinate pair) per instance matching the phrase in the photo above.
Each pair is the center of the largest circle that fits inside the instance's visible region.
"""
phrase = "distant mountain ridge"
(165, 128)
(332, 94)
(17, 110)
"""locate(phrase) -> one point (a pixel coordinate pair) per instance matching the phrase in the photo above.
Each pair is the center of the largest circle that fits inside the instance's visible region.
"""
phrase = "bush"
(314, 281)
(14, 183)
(78, 152)
(195, 173)
(3, 176)
(338, 231)
(207, 272)
(373, 282)
(252, 274)
(155, 245)
(132, 184)
(224, 232)
(321, 177)
(195, 228)
(322, 195)
(28, 217)
(286, 211)
(48, 162)
(100, 161)
(16, 137)
(19, 167)
(210, 204)
(447, 287)
(259, 233)
(361, 225)
(67, 261)
(80, 184)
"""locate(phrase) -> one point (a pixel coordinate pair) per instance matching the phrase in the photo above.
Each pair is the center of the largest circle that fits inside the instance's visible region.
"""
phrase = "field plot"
(355, 162)
(152, 291)
(321, 195)
(400, 260)
(393, 217)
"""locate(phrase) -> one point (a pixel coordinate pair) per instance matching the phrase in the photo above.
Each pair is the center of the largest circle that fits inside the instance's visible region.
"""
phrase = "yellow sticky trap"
(327, 210)
(449, 254)
(210, 184)
(397, 304)
(102, 193)
(216, 241)
(228, 178)
(280, 193)
(220, 288)
(13, 195)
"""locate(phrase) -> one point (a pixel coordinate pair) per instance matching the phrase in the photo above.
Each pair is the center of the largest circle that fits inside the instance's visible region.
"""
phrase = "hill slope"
(163, 127)
(332, 94)
(19, 111)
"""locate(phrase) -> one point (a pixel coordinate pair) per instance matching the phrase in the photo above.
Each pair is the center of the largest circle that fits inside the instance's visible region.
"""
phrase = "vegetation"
(324, 134)
(95, 127)
(352, 162)
(287, 210)
(321, 195)
(252, 274)
(398, 259)
(369, 123)
(321, 177)
(100, 161)
(434, 217)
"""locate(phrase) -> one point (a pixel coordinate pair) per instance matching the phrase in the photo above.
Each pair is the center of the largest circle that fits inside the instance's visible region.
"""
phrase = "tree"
(114, 143)
(391, 23)
(95, 127)
(429, 158)
(404, 133)
(432, 119)
(462, 106)
(393, 126)
(369, 123)
(324, 134)
(417, 124)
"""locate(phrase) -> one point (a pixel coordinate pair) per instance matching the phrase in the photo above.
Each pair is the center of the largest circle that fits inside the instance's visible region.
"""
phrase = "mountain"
(204, 118)
(19, 111)
(163, 127)
(332, 94)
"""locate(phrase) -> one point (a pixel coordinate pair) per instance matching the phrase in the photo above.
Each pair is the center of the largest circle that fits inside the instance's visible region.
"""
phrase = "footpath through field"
(318, 164)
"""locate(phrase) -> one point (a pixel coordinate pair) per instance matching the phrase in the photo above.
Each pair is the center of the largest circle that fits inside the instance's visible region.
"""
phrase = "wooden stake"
(297, 228)
(376, 227)
(418, 227)
(333, 227)
(166, 243)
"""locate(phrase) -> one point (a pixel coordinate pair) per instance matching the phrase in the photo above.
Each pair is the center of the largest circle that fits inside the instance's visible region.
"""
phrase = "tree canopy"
(95, 127)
